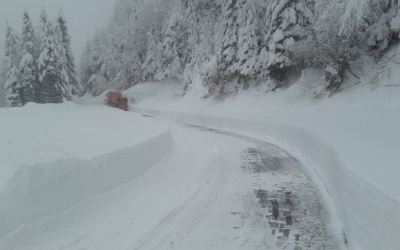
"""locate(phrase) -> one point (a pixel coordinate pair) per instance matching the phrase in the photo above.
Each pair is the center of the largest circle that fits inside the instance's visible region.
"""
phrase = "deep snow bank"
(40, 133)
(114, 148)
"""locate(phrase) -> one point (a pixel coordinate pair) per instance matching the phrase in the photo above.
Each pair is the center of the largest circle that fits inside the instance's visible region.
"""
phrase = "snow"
(395, 22)
(278, 36)
(26, 60)
(58, 155)
(330, 69)
(350, 139)
(94, 177)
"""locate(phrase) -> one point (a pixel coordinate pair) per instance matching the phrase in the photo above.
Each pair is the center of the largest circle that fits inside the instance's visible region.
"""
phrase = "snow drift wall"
(47, 188)
(371, 218)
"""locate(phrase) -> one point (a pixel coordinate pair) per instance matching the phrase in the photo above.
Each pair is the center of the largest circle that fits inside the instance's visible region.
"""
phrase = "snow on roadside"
(129, 215)
(53, 156)
(362, 125)
(42, 133)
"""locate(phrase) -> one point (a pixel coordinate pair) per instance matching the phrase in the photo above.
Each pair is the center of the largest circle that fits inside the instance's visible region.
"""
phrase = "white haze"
(83, 17)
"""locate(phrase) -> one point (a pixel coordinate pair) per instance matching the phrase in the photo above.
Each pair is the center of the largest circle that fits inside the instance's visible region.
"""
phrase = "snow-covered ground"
(351, 140)
(84, 176)
(361, 124)
(202, 195)
(54, 156)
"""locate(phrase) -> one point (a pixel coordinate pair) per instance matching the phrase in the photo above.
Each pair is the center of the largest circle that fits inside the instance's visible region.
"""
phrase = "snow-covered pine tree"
(12, 58)
(285, 24)
(62, 62)
(12, 45)
(51, 89)
(369, 20)
(75, 85)
(131, 59)
(84, 70)
(248, 37)
(132, 67)
(12, 85)
(3, 79)
(96, 59)
(191, 20)
(97, 63)
(174, 48)
(113, 63)
(28, 66)
(227, 56)
(130, 30)
(191, 52)
(149, 67)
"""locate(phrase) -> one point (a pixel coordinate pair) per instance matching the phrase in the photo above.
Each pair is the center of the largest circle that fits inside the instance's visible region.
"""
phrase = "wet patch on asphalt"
(288, 199)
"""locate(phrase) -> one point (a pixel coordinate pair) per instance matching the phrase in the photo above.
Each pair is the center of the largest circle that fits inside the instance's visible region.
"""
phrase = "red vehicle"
(116, 100)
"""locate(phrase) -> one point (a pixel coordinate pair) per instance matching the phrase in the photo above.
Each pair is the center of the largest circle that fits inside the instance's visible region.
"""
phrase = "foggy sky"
(83, 17)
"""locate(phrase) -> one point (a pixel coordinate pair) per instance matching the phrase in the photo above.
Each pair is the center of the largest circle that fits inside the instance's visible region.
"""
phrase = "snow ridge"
(51, 187)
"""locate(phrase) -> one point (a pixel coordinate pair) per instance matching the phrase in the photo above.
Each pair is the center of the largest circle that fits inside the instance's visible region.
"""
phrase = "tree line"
(228, 43)
(39, 66)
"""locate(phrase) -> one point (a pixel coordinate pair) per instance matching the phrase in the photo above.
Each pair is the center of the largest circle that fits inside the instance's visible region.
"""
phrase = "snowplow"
(116, 100)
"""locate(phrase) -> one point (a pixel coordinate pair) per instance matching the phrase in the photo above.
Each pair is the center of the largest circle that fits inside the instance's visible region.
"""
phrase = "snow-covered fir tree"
(151, 62)
(174, 48)
(132, 61)
(52, 88)
(248, 37)
(85, 71)
(12, 85)
(11, 62)
(62, 62)
(28, 66)
(113, 62)
(228, 62)
(191, 31)
(76, 87)
(97, 66)
(205, 46)
(96, 55)
(286, 20)
(192, 53)
(12, 45)
(3, 78)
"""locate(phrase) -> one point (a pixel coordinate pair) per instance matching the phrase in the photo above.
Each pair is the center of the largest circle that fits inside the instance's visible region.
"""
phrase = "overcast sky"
(83, 17)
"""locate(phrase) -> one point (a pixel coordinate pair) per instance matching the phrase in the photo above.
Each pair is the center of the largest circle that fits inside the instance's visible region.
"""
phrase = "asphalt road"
(282, 201)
